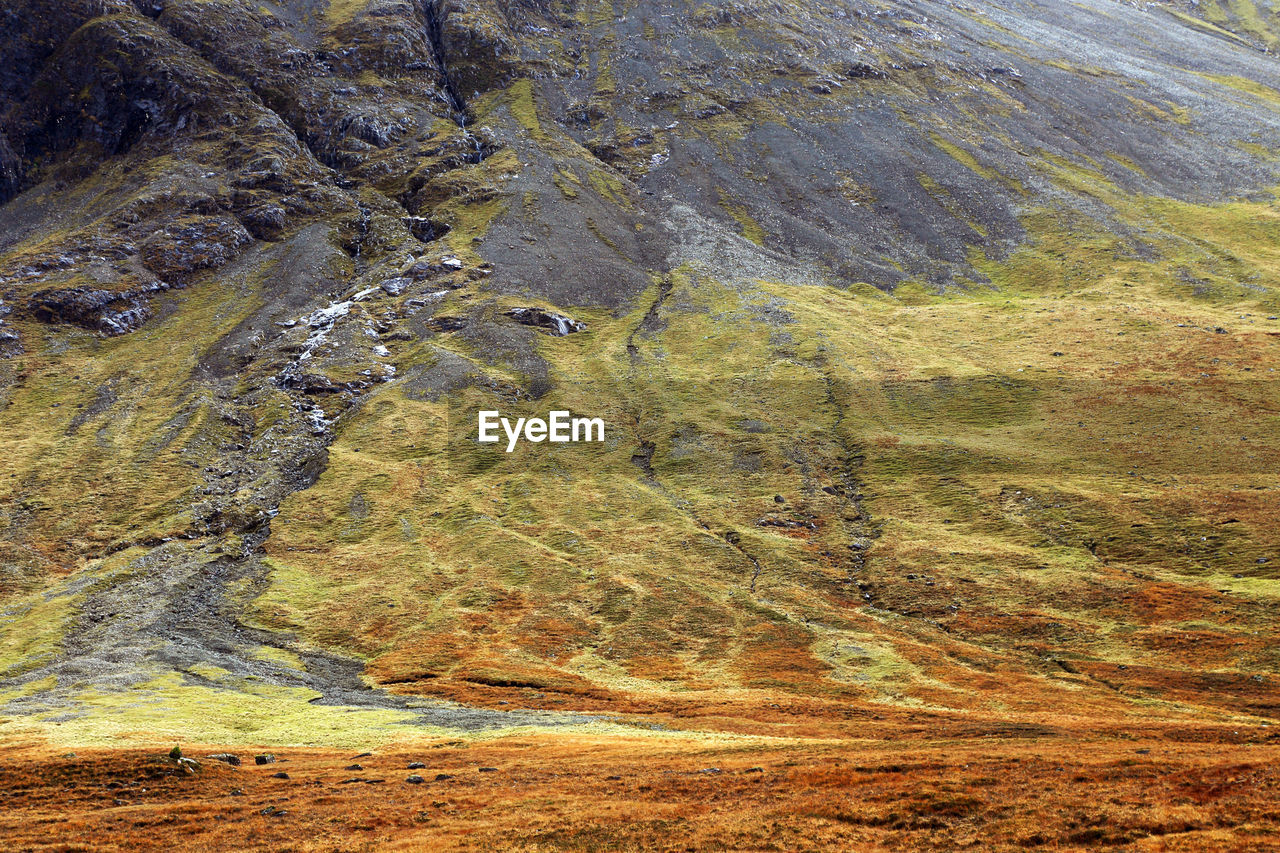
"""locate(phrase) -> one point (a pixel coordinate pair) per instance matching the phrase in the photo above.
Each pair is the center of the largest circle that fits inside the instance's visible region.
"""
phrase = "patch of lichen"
(35, 627)
(1239, 20)
(1250, 87)
(967, 159)
(235, 711)
(751, 229)
(1223, 253)
(342, 11)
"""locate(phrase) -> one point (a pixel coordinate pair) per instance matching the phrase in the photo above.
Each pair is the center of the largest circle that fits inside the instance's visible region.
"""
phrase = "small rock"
(488, 770)
(237, 792)
(280, 775)
(395, 286)
(446, 324)
(862, 71)
(353, 767)
(701, 107)
(754, 770)
(189, 765)
(415, 779)
(225, 758)
(442, 777)
(452, 263)
(264, 758)
(265, 222)
(364, 755)
(416, 765)
(10, 343)
(422, 270)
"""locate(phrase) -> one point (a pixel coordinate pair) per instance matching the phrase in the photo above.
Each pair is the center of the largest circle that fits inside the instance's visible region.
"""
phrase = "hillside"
(935, 343)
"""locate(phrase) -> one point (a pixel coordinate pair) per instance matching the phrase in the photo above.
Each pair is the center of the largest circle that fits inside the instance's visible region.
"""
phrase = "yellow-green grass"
(571, 569)
(88, 477)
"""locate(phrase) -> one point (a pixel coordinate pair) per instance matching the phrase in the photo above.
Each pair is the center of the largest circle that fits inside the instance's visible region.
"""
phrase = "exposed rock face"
(10, 169)
(112, 313)
(556, 324)
(255, 259)
(194, 243)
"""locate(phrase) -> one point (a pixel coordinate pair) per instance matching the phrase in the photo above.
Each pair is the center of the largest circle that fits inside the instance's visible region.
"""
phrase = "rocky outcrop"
(10, 341)
(194, 243)
(109, 312)
(557, 324)
(10, 169)
(476, 42)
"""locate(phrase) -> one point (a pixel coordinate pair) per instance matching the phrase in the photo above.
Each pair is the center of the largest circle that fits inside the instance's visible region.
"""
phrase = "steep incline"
(935, 342)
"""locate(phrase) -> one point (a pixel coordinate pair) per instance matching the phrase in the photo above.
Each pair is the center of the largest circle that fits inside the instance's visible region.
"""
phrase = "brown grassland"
(903, 782)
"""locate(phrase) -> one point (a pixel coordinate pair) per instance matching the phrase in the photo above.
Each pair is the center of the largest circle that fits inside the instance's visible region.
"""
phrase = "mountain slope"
(934, 343)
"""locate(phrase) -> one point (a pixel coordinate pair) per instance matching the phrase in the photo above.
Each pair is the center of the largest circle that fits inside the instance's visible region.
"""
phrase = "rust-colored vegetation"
(904, 783)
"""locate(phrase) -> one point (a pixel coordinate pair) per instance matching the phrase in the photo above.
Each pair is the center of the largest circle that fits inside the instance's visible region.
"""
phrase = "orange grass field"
(904, 782)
